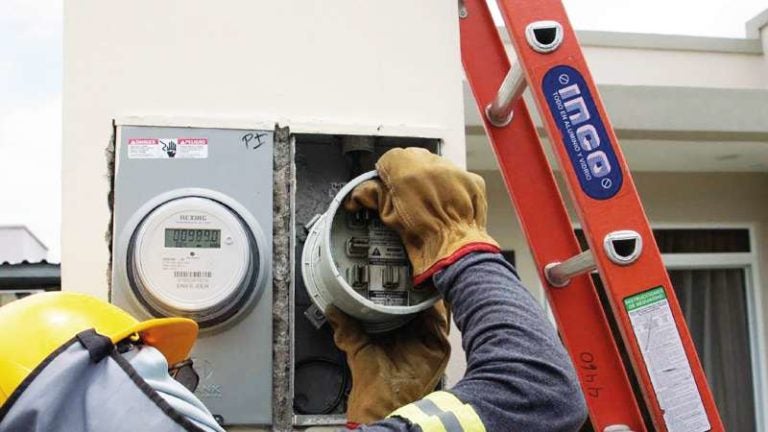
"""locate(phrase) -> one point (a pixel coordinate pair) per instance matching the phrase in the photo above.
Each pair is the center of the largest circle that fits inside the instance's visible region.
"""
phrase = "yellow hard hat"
(34, 327)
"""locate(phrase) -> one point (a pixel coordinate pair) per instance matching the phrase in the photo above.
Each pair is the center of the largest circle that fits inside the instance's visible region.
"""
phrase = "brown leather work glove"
(438, 209)
(392, 369)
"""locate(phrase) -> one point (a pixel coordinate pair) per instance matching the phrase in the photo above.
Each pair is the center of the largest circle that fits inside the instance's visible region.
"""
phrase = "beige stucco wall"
(336, 67)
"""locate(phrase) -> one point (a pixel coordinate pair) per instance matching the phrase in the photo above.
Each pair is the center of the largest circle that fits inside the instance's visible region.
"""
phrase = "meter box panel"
(193, 237)
(325, 164)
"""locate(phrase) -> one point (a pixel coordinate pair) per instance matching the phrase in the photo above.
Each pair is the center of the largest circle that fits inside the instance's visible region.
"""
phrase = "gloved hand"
(438, 209)
(393, 369)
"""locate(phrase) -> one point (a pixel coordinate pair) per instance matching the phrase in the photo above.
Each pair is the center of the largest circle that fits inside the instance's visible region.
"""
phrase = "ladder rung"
(499, 112)
(622, 248)
(559, 274)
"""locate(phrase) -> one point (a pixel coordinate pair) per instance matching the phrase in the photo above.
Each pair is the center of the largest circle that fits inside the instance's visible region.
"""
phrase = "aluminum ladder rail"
(673, 388)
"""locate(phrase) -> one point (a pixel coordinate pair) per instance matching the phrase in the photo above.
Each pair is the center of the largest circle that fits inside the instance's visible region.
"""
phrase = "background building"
(18, 243)
(691, 114)
(23, 266)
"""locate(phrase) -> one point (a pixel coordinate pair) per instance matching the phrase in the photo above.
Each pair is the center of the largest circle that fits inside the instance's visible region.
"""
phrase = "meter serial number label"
(389, 298)
(189, 272)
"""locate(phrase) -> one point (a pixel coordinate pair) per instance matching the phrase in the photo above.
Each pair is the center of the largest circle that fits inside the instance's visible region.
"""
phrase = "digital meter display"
(192, 238)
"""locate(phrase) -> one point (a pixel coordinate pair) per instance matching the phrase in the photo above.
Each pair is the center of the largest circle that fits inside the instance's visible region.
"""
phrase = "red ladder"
(674, 390)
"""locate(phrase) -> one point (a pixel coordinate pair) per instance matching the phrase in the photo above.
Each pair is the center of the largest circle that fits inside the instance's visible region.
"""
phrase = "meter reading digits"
(194, 238)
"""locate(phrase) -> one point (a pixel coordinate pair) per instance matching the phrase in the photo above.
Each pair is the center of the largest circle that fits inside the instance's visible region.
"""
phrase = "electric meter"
(192, 236)
(193, 257)
(353, 261)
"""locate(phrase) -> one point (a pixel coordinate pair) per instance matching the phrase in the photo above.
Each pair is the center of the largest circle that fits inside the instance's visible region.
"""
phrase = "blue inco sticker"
(583, 132)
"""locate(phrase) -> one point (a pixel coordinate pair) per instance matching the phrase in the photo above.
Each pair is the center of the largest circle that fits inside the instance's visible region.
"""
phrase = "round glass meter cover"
(192, 254)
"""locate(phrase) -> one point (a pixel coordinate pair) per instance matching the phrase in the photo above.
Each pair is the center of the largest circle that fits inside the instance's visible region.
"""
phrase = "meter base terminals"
(356, 263)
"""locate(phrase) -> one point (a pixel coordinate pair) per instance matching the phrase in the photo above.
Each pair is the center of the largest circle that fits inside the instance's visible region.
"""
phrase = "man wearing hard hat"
(69, 362)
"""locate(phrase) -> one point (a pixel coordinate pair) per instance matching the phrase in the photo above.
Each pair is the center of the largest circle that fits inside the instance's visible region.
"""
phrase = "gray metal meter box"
(192, 237)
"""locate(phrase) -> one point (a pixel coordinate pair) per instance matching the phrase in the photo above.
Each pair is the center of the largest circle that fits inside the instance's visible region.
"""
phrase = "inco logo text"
(583, 133)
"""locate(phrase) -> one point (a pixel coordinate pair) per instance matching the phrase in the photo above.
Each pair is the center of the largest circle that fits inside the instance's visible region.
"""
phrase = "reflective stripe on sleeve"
(441, 412)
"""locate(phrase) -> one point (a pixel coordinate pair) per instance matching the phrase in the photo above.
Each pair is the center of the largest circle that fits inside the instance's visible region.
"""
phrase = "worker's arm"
(518, 375)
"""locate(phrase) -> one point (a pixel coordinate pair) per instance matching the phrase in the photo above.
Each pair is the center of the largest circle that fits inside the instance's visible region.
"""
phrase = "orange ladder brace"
(674, 392)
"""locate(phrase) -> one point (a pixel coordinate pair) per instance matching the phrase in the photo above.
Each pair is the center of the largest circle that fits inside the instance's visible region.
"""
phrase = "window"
(714, 302)
(711, 272)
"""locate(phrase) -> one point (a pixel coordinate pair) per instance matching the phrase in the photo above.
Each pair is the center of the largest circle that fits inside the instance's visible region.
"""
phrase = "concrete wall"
(335, 67)
(369, 68)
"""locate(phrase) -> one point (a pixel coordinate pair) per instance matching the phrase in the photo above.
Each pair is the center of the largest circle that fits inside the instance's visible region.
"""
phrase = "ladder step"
(544, 36)
(622, 247)
(499, 112)
(559, 274)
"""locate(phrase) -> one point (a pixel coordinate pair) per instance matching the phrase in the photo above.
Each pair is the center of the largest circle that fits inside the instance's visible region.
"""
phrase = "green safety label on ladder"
(645, 298)
(665, 359)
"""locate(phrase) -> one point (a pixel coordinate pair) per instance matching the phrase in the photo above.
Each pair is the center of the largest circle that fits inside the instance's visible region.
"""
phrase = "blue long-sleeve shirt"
(519, 377)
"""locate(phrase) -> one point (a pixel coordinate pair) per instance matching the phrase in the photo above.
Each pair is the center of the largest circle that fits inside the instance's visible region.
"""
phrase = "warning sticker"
(665, 359)
(385, 246)
(167, 148)
(143, 148)
(192, 148)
